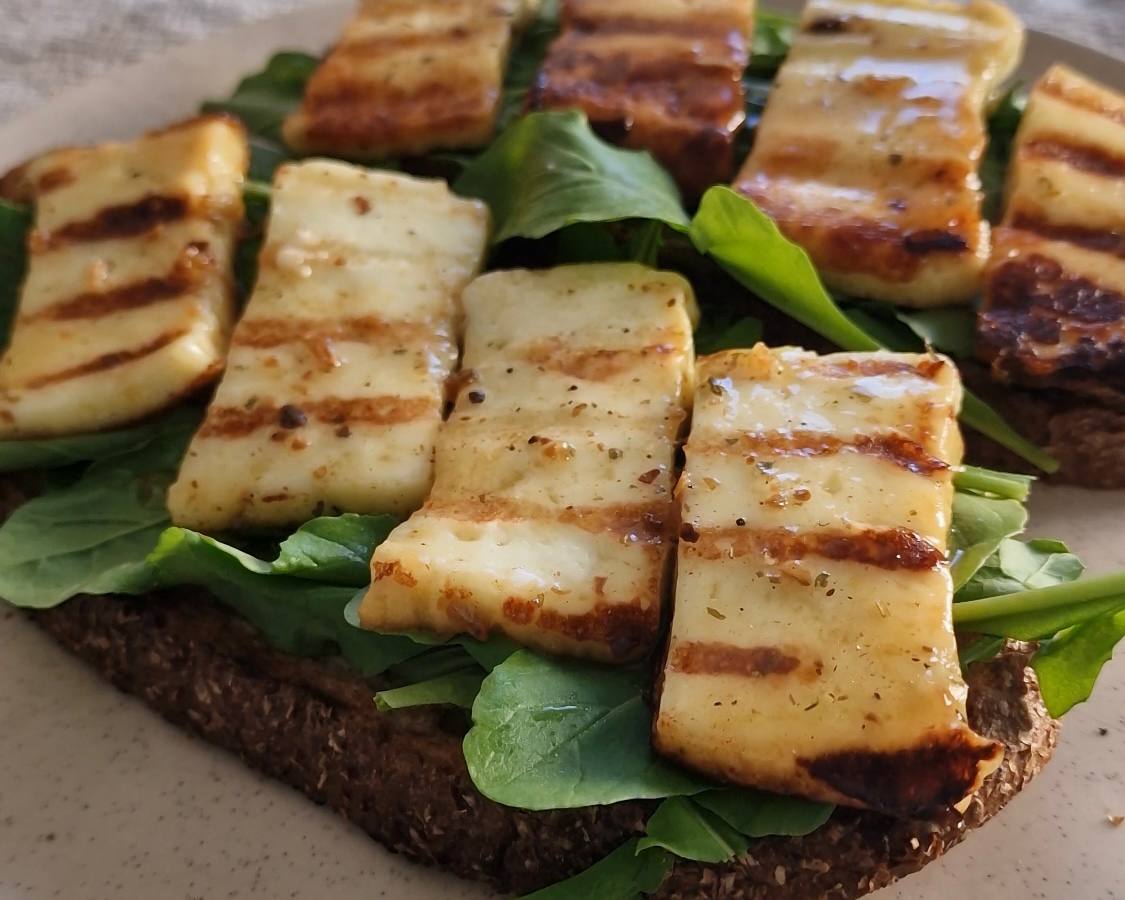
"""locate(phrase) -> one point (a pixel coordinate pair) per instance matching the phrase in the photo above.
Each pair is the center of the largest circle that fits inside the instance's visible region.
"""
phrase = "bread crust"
(401, 776)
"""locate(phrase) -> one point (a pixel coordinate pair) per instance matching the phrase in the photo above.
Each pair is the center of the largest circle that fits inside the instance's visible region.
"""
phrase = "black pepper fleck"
(292, 416)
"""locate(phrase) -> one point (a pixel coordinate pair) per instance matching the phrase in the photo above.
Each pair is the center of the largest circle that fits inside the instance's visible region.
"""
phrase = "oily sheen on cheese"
(335, 386)
(1054, 309)
(128, 302)
(551, 516)
(868, 150)
(408, 76)
(811, 649)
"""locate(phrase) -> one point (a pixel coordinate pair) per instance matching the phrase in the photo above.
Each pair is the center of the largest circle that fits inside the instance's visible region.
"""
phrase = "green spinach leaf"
(453, 689)
(526, 59)
(773, 36)
(1069, 664)
(1020, 566)
(49, 453)
(623, 875)
(554, 734)
(92, 536)
(295, 615)
(334, 549)
(950, 329)
(758, 813)
(691, 832)
(1043, 612)
(975, 480)
(549, 170)
(980, 525)
(264, 100)
(715, 335)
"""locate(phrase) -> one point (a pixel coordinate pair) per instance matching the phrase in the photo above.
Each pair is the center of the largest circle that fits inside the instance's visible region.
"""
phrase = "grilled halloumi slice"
(334, 389)
(868, 150)
(663, 76)
(128, 302)
(811, 649)
(551, 516)
(409, 76)
(1054, 310)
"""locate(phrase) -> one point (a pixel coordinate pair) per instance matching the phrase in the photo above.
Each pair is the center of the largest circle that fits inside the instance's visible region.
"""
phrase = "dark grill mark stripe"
(892, 549)
(894, 448)
(438, 41)
(929, 776)
(116, 222)
(1084, 157)
(628, 629)
(55, 178)
(644, 524)
(592, 364)
(715, 658)
(184, 278)
(233, 422)
(266, 333)
(1111, 242)
(107, 361)
(928, 368)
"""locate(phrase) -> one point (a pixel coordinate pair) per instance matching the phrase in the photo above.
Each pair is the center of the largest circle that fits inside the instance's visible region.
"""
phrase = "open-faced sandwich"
(577, 544)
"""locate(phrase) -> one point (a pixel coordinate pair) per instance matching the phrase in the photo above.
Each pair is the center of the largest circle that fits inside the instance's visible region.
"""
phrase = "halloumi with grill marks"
(551, 519)
(1054, 311)
(868, 150)
(128, 303)
(657, 75)
(410, 76)
(334, 390)
(812, 648)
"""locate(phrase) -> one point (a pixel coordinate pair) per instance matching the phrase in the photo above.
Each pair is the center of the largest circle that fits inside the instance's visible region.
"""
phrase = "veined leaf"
(549, 170)
(553, 734)
(691, 832)
(759, 813)
(453, 689)
(1069, 664)
(980, 525)
(623, 875)
(334, 549)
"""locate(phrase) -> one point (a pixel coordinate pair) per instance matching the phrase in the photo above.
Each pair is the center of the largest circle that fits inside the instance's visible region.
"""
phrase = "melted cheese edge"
(128, 302)
(335, 385)
(552, 515)
(868, 150)
(812, 649)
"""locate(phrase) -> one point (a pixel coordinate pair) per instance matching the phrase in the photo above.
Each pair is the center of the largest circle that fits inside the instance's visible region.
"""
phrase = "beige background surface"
(47, 45)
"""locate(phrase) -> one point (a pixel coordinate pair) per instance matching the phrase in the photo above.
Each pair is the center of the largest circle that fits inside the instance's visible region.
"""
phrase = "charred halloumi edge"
(1063, 237)
(410, 76)
(552, 517)
(811, 648)
(128, 301)
(334, 390)
(891, 212)
(608, 56)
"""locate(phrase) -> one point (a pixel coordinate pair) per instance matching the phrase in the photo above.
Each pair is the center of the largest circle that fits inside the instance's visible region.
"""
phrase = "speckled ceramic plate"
(100, 799)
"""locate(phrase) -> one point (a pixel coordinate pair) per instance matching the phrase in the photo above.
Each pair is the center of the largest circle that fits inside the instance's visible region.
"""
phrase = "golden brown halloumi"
(128, 302)
(334, 389)
(812, 649)
(551, 517)
(409, 76)
(868, 150)
(657, 75)
(1054, 310)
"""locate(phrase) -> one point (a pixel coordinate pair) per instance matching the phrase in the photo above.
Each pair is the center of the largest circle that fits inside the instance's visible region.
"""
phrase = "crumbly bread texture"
(401, 776)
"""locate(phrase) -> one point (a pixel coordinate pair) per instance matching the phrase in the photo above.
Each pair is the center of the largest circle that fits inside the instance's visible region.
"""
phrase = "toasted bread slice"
(401, 776)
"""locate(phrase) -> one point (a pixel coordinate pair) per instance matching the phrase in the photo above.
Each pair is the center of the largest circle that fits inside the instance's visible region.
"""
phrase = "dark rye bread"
(401, 776)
